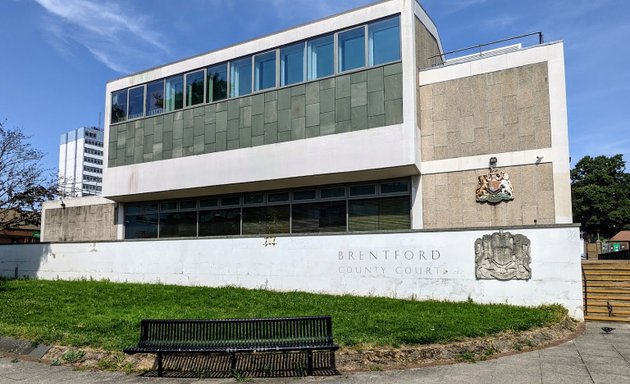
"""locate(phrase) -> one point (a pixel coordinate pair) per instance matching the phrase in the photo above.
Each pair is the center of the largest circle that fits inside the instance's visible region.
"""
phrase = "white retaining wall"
(422, 265)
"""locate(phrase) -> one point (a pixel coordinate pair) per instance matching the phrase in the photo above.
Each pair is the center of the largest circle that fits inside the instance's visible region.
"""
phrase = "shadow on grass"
(248, 365)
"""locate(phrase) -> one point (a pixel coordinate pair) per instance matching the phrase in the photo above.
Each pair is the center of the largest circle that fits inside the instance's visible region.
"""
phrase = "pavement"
(593, 357)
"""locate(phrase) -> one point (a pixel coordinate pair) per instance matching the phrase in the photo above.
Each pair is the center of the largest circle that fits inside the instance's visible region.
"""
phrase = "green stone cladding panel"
(351, 102)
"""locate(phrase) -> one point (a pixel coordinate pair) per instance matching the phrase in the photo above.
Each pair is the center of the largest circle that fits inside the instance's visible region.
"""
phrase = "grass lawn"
(107, 315)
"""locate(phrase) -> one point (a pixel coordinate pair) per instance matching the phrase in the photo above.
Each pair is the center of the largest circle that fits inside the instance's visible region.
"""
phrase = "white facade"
(419, 265)
(81, 162)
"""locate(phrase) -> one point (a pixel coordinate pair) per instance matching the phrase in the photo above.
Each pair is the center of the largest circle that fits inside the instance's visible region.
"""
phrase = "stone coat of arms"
(494, 187)
(503, 256)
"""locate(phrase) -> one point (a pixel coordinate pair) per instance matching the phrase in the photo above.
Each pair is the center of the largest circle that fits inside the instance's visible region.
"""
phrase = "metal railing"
(441, 59)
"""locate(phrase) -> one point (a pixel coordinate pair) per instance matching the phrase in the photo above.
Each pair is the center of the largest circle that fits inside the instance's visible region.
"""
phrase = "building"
(18, 232)
(347, 155)
(81, 162)
(619, 242)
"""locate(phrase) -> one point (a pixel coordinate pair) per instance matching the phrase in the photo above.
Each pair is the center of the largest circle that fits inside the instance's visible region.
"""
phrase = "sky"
(57, 55)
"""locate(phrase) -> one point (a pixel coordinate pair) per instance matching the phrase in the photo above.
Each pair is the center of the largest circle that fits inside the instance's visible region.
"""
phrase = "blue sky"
(58, 54)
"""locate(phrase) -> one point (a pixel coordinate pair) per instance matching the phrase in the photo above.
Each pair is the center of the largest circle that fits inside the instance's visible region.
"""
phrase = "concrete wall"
(424, 265)
(352, 102)
(450, 201)
(501, 111)
(82, 219)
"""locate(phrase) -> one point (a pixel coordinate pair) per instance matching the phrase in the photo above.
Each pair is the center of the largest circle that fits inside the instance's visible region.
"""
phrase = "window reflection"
(119, 106)
(351, 53)
(217, 82)
(292, 64)
(220, 222)
(174, 93)
(194, 88)
(136, 102)
(141, 226)
(319, 217)
(265, 71)
(384, 41)
(320, 57)
(178, 224)
(266, 220)
(155, 97)
(241, 77)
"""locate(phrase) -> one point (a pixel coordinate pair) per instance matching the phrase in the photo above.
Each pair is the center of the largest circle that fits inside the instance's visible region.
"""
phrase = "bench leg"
(232, 362)
(159, 361)
(309, 367)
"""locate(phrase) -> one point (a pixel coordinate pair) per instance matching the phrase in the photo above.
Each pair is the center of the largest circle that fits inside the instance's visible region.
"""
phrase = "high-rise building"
(81, 162)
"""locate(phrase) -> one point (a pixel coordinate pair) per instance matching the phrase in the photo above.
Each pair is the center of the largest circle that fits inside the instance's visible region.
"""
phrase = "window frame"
(137, 116)
(203, 97)
(253, 87)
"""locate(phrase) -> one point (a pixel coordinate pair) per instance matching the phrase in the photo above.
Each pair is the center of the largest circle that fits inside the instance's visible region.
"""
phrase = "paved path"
(593, 357)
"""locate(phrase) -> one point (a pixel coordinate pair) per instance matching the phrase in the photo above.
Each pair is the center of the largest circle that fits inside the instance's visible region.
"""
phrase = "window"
(241, 77)
(174, 93)
(265, 71)
(254, 198)
(141, 221)
(395, 187)
(220, 222)
(359, 190)
(231, 200)
(205, 203)
(292, 64)
(320, 57)
(155, 97)
(278, 197)
(266, 220)
(304, 195)
(136, 102)
(328, 193)
(119, 106)
(351, 49)
(217, 82)
(379, 214)
(327, 216)
(194, 88)
(178, 224)
(384, 41)
(380, 206)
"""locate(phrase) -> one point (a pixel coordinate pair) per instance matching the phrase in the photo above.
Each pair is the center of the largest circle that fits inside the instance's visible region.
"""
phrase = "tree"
(600, 189)
(24, 185)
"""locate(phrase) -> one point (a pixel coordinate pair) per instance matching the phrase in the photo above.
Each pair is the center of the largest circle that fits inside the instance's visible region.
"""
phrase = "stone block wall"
(496, 112)
(449, 199)
(426, 47)
(350, 102)
(82, 223)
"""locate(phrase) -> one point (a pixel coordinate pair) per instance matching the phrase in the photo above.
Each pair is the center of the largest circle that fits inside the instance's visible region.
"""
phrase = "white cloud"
(501, 21)
(119, 38)
(454, 6)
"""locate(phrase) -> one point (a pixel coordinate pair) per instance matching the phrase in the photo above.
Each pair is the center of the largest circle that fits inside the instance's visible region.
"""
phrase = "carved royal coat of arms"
(494, 187)
(503, 256)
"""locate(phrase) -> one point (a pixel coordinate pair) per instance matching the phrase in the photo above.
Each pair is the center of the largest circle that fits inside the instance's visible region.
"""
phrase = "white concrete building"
(344, 156)
(81, 162)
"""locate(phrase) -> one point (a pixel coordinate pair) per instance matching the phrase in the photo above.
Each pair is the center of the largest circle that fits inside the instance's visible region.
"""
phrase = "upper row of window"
(307, 60)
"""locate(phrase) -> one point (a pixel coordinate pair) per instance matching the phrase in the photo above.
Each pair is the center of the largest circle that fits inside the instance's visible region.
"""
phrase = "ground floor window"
(372, 206)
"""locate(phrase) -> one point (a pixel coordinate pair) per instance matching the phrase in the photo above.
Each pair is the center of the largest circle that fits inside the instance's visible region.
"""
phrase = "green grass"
(107, 315)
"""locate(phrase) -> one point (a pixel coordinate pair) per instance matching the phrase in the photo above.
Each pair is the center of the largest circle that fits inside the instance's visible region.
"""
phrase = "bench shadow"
(255, 365)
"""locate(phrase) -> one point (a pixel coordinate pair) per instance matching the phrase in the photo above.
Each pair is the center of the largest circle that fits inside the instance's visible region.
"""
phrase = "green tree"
(600, 188)
(24, 185)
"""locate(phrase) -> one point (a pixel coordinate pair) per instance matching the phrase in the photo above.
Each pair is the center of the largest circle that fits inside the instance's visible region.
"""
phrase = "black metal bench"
(232, 336)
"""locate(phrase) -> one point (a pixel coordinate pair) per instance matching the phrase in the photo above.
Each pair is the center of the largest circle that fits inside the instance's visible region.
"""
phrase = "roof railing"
(441, 59)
